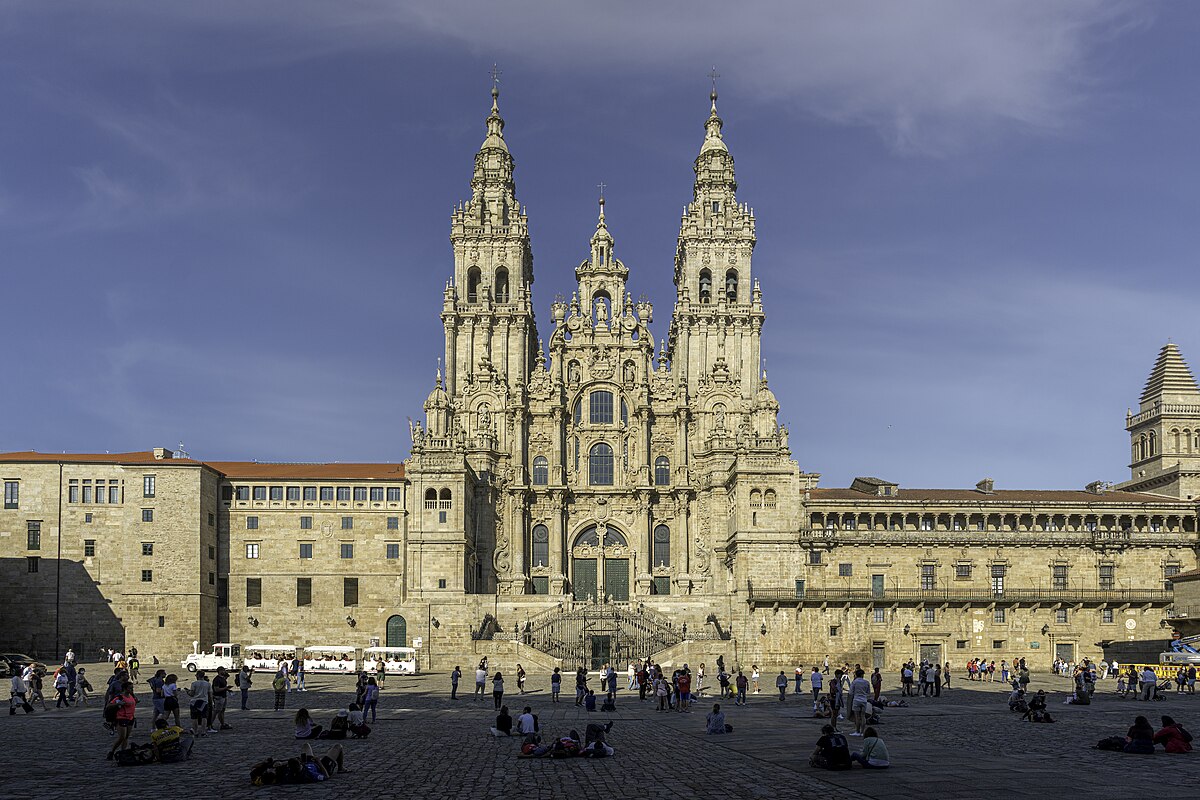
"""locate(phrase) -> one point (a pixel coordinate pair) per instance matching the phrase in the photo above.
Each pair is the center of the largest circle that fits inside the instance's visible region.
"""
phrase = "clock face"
(1130, 624)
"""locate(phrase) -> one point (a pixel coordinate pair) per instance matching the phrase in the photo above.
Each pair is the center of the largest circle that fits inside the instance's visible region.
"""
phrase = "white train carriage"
(331, 659)
(267, 657)
(396, 660)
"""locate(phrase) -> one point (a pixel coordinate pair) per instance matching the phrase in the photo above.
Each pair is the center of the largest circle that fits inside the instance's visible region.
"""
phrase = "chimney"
(161, 452)
(987, 486)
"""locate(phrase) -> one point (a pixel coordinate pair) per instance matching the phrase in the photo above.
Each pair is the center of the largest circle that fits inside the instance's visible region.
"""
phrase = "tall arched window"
(577, 414)
(502, 285)
(731, 280)
(769, 499)
(662, 471)
(600, 465)
(661, 555)
(705, 286)
(575, 450)
(1152, 447)
(624, 413)
(541, 471)
(600, 408)
(1175, 441)
(1142, 449)
(473, 278)
(541, 546)
(444, 498)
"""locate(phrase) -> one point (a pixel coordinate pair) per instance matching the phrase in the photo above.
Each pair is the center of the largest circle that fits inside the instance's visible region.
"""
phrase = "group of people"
(27, 687)
(1141, 738)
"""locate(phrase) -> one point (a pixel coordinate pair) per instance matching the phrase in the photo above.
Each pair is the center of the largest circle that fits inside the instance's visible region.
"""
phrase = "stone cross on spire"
(495, 73)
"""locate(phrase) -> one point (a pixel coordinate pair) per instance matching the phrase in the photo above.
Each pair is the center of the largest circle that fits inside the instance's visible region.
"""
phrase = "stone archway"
(600, 564)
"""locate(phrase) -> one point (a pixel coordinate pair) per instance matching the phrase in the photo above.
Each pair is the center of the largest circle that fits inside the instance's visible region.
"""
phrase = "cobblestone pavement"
(964, 744)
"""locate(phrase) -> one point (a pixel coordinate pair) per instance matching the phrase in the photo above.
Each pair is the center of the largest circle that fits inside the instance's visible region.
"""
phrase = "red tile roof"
(1191, 575)
(1000, 496)
(231, 469)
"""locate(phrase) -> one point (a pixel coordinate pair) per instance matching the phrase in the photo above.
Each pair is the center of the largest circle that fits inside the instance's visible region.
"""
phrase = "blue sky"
(227, 222)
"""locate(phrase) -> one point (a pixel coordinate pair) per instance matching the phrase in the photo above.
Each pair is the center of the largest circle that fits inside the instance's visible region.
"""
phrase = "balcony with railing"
(767, 595)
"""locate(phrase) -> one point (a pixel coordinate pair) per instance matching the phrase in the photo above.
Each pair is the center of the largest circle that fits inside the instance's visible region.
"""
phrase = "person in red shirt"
(126, 704)
(685, 690)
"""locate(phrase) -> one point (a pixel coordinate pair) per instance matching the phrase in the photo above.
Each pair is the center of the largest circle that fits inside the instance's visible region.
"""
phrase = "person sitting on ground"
(359, 729)
(527, 725)
(1037, 708)
(821, 707)
(338, 727)
(170, 742)
(610, 702)
(504, 723)
(1140, 738)
(595, 743)
(833, 750)
(305, 729)
(1174, 737)
(715, 722)
(308, 768)
(589, 700)
(874, 754)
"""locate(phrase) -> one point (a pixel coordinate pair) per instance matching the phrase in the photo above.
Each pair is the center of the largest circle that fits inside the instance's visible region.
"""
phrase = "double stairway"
(592, 634)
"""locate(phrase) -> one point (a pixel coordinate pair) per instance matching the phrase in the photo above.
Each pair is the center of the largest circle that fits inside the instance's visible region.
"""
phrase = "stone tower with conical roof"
(1165, 432)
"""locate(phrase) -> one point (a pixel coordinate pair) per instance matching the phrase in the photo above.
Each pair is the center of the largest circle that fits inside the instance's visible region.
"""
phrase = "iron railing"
(759, 594)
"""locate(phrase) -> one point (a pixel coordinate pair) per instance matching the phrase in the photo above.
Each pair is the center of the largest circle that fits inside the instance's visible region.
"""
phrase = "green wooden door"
(583, 582)
(601, 650)
(397, 631)
(616, 578)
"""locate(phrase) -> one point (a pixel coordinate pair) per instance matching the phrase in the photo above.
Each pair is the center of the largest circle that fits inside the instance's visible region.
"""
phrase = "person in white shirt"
(201, 694)
(527, 723)
(481, 677)
(860, 702)
(632, 673)
(19, 689)
(1149, 683)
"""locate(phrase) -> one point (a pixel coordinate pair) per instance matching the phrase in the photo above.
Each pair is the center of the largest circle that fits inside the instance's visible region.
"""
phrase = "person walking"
(498, 689)
(371, 699)
(580, 685)
(244, 681)
(454, 678)
(521, 679)
(876, 683)
(480, 680)
(220, 696)
(61, 684)
(818, 681)
(280, 686)
(300, 687)
(781, 684)
(126, 704)
(82, 687)
(825, 667)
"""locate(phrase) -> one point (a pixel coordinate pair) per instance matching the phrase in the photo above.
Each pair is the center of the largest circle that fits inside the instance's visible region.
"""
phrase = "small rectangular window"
(441, 583)
(114, 493)
(326, 494)
(89, 548)
(962, 571)
(73, 492)
(928, 577)
(997, 644)
(212, 579)
(227, 493)
(212, 553)
(1106, 616)
(349, 591)
(347, 523)
(162, 621)
(253, 592)
(243, 493)
(212, 520)
(845, 570)
(799, 588)
(260, 493)
(343, 494)
(310, 494)
(252, 550)
(147, 548)
(147, 515)
(393, 494)
(276, 493)
(441, 516)
(360, 494)
(347, 550)
(930, 616)
(376, 494)
(33, 563)
(1107, 577)
(814, 556)
(87, 517)
(293, 494)
(1060, 616)
(12, 494)
(33, 535)
(835, 631)
(879, 615)
(999, 615)
(148, 485)
(251, 523)
(303, 591)
(960, 644)
(100, 496)
(393, 523)
(306, 523)
(393, 550)
(87, 491)
(147, 575)
(306, 550)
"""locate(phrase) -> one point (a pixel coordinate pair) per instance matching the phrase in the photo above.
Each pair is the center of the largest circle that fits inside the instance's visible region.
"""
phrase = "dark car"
(17, 661)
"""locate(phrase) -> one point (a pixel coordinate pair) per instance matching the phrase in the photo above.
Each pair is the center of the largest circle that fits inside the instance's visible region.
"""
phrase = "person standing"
(825, 668)
(632, 672)
(521, 679)
(300, 687)
(200, 693)
(742, 683)
(781, 684)
(61, 684)
(454, 678)
(876, 683)
(799, 679)
(70, 659)
(381, 672)
(946, 675)
(498, 689)
(837, 700)
(244, 681)
(293, 671)
(937, 681)
(126, 704)
(82, 687)
(906, 680)
(157, 699)
(754, 678)
(220, 693)
(580, 685)
(480, 680)
(556, 686)
(279, 684)
(371, 699)
(1149, 683)
(860, 691)
(818, 681)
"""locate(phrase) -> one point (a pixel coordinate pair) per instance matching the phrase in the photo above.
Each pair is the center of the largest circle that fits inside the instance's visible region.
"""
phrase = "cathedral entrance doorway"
(600, 564)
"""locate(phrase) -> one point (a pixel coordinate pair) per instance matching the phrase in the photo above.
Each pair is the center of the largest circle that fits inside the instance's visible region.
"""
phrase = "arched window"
(1187, 440)
(541, 471)
(577, 414)
(600, 465)
(662, 547)
(756, 500)
(397, 631)
(662, 471)
(624, 413)
(769, 499)
(1142, 449)
(1175, 441)
(473, 277)
(705, 286)
(541, 546)
(502, 285)
(444, 499)
(1152, 448)
(431, 498)
(731, 285)
(600, 408)
(575, 450)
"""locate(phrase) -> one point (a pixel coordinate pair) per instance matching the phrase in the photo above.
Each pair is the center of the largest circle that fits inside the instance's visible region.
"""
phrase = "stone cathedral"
(585, 494)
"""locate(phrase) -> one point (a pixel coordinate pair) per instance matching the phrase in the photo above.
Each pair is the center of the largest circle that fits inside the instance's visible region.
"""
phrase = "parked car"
(17, 660)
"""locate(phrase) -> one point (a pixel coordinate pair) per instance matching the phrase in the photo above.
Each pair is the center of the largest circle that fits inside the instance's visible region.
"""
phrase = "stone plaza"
(964, 744)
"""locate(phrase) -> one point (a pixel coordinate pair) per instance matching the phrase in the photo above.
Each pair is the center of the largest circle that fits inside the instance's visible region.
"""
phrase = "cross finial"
(714, 75)
(601, 186)
(496, 73)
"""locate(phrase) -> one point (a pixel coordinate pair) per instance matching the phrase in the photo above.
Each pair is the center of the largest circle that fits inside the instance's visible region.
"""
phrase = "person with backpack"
(82, 687)
(280, 685)
(244, 681)
(833, 750)
(123, 705)
(18, 690)
(1173, 737)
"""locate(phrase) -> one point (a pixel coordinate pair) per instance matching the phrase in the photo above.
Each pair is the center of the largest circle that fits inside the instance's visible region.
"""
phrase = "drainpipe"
(58, 566)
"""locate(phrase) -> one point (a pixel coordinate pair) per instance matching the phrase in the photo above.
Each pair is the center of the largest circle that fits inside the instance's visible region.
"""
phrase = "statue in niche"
(629, 375)
(601, 311)
(720, 413)
(418, 435)
(573, 373)
(485, 418)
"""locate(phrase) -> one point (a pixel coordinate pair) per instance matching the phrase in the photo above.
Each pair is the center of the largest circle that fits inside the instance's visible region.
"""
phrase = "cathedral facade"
(587, 494)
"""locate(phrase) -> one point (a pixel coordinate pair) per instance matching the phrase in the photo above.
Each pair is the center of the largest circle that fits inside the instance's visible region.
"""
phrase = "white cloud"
(931, 75)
